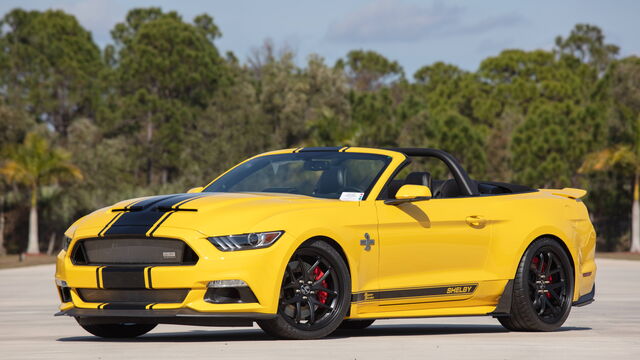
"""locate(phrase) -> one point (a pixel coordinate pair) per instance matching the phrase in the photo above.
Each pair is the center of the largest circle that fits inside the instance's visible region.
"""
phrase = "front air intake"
(133, 295)
(132, 251)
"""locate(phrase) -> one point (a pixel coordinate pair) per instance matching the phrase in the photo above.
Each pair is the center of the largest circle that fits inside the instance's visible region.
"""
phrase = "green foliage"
(159, 110)
(49, 66)
(368, 70)
(586, 42)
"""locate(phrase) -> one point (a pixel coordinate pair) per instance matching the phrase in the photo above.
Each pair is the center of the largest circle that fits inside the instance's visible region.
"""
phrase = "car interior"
(444, 186)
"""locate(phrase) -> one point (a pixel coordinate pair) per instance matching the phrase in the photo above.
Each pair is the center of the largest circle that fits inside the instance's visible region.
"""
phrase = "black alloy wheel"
(543, 289)
(547, 285)
(315, 294)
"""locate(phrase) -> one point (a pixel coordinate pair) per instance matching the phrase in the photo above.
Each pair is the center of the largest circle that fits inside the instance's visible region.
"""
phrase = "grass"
(13, 261)
(618, 255)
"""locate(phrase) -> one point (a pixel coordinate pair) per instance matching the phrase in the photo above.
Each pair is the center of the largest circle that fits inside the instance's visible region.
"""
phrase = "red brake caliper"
(322, 295)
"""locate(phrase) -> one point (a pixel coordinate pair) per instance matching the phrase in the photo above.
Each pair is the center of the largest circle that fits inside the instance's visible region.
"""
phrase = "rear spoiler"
(569, 193)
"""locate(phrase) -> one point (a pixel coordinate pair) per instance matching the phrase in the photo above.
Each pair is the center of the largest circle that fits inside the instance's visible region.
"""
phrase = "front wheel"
(123, 330)
(543, 289)
(315, 294)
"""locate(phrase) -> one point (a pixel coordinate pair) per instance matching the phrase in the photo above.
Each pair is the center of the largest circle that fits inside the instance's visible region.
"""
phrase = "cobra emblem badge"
(367, 242)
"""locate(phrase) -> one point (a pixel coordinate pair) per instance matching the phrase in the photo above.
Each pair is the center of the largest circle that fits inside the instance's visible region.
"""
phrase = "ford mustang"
(305, 241)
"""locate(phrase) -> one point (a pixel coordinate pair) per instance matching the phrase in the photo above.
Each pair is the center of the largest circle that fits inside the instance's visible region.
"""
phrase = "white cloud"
(393, 21)
(97, 16)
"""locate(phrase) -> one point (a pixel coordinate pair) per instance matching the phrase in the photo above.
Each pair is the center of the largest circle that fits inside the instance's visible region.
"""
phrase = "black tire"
(542, 289)
(349, 324)
(315, 294)
(117, 331)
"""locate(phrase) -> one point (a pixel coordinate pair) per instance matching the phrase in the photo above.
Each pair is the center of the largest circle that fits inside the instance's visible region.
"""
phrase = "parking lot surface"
(606, 329)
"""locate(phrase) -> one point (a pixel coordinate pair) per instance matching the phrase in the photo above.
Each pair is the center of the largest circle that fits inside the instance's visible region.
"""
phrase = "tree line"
(160, 110)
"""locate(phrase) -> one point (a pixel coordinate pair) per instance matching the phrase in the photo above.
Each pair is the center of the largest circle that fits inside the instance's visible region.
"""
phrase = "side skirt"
(586, 299)
(504, 305)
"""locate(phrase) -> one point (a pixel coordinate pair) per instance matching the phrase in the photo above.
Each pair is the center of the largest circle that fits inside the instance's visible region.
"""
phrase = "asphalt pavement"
(606, 329)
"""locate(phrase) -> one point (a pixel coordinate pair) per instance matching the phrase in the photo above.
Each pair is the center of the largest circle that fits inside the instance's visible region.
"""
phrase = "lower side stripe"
(433, 291)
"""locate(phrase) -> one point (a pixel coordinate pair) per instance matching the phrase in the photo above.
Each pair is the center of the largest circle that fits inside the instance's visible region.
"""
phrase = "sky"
(414, 33)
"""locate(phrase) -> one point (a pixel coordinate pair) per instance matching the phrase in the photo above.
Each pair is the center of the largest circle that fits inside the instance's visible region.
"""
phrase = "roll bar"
(467, 186)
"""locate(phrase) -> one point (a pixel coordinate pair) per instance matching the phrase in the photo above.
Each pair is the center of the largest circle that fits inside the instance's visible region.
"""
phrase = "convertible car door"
(432, 250)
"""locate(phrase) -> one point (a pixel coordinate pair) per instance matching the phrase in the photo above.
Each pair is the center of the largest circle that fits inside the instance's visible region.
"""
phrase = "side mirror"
(410, 193)
(195, 190)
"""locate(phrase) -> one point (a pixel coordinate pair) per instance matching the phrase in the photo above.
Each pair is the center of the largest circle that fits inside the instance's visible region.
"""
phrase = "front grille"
(133, 251)
(133, 296)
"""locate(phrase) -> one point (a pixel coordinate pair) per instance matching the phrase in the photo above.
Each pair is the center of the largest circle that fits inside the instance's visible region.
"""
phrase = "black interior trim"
(467, 186)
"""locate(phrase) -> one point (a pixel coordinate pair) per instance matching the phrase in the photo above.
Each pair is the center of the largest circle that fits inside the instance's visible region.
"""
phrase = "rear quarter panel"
(518, 220)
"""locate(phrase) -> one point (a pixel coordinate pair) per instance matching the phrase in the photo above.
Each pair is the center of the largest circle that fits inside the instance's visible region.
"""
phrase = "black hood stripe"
(140, 217)
(177, 206)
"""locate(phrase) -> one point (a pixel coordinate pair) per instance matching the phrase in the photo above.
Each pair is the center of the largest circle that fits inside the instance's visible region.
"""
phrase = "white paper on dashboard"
(351, 196)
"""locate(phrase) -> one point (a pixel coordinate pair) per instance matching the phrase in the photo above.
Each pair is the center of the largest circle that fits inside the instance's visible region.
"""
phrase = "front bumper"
(260, 269)
(169, 316)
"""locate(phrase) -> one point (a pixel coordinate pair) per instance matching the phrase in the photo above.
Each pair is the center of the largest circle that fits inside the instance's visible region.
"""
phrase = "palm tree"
(33, 164)
(627, 158)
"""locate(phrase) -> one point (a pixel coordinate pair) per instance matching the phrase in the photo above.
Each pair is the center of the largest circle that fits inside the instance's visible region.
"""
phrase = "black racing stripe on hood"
(145, 214)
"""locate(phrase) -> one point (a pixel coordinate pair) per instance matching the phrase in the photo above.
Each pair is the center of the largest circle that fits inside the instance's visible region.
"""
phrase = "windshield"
(331, 175)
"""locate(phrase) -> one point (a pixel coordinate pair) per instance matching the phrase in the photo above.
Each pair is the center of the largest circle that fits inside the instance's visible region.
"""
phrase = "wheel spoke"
(328, 291)
(298, 312)
(295, 299)
(301, 268)
(319, 304)
(554, 309)
(289, 286)
(291, 274)
(555, 285)
(542, 264)
(312, 312)
(542, 302)
(323, 277)
(555, 296)
(550, 256)
(315, 265)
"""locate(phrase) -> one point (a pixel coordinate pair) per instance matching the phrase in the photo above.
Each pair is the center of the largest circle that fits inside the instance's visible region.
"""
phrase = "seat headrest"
(331, 181)
(419, 178)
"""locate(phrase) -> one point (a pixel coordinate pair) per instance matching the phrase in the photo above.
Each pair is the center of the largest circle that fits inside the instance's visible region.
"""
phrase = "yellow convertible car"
(305, 241)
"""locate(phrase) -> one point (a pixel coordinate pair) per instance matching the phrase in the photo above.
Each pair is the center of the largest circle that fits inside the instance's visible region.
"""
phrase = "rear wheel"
(123, 330)
(543, 289)
(355, 324)
(315, 294)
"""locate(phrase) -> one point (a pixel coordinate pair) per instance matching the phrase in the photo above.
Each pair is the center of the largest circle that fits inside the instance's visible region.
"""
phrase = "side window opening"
(425, 171)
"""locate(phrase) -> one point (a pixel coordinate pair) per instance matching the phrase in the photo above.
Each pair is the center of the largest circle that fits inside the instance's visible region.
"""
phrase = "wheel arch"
(563, 244)
(334, 244)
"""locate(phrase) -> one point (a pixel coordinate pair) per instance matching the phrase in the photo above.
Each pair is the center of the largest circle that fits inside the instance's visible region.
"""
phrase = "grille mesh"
(129, 251)
(133, 296)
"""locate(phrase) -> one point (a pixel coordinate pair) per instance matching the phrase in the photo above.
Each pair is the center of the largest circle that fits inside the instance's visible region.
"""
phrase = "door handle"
(476, 221)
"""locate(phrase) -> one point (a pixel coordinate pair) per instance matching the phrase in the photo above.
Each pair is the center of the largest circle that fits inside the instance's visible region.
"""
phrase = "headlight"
(245, 241)
(65, 243)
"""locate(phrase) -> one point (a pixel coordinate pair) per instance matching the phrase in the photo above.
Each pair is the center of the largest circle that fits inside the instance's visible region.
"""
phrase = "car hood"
(208, 213)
